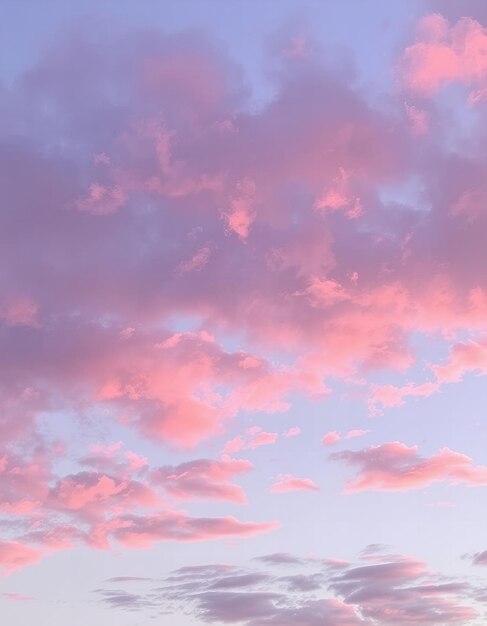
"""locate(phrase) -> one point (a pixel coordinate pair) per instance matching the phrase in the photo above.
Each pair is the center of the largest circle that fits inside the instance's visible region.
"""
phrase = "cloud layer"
(194, 271)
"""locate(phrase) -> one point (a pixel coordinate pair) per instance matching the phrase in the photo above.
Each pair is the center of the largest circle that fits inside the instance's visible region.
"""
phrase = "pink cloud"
(254, 437)
(92, 494)
(143, 532)
(15, 555)
(101, 200)
(356, 432)
(418, 119)
(204, 479)
(470, 205)
(234, 445)
(287, 482)
(296, 296)
(258, 437)
(163, 158)
(188, 404)
(24, 481)
(338, 197)
(398, 467)
(267, 228)
(197, 261)
(112, 458)
(331, 438)
(464, 357)
(445, 53)
(241, 214)
(323, 293)
(390, 396)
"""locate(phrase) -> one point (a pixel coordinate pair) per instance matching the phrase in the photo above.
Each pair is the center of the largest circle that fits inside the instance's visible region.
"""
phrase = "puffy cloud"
(258, 437)
(234, 445)
(418, 119)
(188, 406)
(142, 159)
(92, 495)
(330, 438)
(395, 467)
(464, 357)
(142, 193)
(337, 197)
(254, 437)
(389, 395)
(118, 498)
(285, 483)
(204, 479)
(444, 54)
(174, 189)
(112, 458)
(241, 215)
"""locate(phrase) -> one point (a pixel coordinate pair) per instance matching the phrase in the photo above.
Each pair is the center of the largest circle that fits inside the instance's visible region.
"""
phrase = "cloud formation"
(351, 594)
(396, 467)
(191, 268)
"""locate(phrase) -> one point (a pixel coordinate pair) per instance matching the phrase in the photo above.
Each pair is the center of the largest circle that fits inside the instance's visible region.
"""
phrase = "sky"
(243, 312)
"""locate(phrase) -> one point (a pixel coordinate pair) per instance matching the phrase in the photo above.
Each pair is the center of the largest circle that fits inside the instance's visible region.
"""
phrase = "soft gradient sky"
(243, 312)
